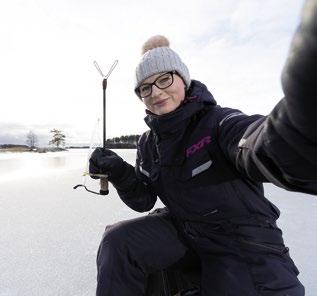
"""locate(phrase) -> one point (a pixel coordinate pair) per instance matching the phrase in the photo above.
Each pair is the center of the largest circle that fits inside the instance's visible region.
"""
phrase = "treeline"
(125, 142)
(129, 141)
(14, 148)
(6, 146)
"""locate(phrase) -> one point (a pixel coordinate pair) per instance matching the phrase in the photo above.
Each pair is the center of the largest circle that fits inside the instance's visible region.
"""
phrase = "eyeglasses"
(163, 81)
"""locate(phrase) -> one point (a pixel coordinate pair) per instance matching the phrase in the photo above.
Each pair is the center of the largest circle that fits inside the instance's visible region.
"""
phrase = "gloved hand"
(105, 161)
(299, 77)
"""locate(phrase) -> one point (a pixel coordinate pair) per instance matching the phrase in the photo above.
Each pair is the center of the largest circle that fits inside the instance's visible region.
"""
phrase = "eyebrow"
(154, 79)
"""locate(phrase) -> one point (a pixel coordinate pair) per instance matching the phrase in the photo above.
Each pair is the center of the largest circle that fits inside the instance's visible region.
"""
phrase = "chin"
(165, 111)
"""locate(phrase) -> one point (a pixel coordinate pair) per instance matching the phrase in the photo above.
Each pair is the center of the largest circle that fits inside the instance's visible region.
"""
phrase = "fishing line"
(95, 141)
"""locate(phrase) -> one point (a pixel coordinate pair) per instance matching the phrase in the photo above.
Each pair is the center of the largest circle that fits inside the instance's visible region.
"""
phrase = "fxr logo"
(191, 150)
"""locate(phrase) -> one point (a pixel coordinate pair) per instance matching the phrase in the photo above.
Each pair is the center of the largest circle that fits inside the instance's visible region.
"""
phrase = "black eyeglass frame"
(137, 90)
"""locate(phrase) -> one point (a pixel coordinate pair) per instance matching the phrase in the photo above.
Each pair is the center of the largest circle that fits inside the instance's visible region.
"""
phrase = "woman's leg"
(132, 249)
(251, 272)
(236, 266)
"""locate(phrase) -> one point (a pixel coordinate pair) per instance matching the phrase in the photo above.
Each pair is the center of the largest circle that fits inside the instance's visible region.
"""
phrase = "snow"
(50, 232)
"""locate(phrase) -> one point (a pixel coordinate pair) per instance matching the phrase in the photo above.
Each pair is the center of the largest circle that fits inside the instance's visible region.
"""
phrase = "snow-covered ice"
(50, 233)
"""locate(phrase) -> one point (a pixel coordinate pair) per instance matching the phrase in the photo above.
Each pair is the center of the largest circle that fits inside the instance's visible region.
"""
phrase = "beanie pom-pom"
(154, 42)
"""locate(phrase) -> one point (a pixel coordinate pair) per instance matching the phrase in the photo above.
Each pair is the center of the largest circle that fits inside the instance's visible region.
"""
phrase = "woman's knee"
(115, 235)
(111, 247)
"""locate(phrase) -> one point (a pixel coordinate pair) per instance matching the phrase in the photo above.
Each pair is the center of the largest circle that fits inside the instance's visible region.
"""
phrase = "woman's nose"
(155, 91)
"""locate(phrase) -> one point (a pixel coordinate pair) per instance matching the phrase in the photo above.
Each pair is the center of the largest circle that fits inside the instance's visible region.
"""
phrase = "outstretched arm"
(299, 77)
(282, 147)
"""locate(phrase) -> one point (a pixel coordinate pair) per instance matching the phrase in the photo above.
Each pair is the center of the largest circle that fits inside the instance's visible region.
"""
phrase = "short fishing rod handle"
(104, 186)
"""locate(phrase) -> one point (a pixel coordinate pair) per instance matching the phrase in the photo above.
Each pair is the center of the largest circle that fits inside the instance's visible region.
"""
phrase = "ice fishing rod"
(103, 177)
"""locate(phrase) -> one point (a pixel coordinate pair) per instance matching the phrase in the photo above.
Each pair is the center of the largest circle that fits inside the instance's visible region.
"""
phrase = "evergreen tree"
(58, 138)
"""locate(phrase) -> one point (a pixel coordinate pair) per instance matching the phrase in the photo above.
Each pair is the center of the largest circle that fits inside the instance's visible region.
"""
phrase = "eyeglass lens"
(163, 81)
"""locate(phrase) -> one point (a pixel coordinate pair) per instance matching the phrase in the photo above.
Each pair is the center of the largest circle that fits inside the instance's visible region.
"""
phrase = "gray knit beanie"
(157, 58)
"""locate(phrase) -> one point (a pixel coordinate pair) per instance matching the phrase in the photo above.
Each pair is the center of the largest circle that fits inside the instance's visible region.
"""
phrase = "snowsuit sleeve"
(134, 191)
(282, 147)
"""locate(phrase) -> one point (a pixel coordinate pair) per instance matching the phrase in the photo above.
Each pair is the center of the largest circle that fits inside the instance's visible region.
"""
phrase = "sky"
(47, 49)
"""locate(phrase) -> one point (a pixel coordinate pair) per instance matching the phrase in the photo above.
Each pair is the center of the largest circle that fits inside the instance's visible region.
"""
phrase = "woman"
(207, 165)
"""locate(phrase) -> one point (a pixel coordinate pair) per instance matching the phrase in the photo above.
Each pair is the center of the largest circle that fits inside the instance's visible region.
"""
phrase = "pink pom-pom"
(155, 41)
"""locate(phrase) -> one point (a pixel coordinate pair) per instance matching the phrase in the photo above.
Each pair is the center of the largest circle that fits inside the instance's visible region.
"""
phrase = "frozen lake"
(50, 233)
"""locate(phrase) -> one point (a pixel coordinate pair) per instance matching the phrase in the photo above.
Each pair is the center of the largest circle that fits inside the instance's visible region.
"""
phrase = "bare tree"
(58, 138)
(31, 139)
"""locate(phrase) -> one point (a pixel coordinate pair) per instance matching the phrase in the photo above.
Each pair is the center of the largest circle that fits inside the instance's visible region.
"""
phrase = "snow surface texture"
(50, 233)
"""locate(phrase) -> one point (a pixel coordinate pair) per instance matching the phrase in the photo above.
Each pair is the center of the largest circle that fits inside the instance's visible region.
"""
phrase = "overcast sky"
(47, 78)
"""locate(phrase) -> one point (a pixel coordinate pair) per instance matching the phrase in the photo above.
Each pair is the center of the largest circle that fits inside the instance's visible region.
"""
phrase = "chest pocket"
(196, 170)
(205, 167)
(195, 165)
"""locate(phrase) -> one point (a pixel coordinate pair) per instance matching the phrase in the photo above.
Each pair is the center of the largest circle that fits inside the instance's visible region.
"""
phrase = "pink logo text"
(191, 150)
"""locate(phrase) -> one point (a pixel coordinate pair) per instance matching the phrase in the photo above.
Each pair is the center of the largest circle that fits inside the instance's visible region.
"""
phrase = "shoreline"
(35, 150)
(54, 149)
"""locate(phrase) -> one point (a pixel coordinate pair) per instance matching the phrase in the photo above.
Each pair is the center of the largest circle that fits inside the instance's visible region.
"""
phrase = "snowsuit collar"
(167, 125)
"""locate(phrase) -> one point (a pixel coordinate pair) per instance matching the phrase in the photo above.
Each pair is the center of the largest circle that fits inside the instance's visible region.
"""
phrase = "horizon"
(236, 48)
(42, 145)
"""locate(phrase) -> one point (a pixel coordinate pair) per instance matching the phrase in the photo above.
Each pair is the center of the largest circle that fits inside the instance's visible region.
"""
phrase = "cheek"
(178, 90)
(147, 105)
(179, 95)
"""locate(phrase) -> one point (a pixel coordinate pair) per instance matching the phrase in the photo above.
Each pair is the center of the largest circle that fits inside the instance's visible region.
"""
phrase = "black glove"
(105, 161)
(299, 77)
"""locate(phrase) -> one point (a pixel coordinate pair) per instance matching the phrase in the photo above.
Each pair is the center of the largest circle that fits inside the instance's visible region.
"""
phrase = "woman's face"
(163, 101)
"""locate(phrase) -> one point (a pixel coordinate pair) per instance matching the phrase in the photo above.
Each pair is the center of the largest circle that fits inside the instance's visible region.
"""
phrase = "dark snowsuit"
(207, 165)
(187, 159)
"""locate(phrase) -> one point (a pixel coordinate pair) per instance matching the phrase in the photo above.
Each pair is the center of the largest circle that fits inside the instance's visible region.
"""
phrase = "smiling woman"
(207, 164)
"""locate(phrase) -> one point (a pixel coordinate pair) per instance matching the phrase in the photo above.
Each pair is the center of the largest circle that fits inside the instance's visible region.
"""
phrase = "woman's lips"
(160, 103)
